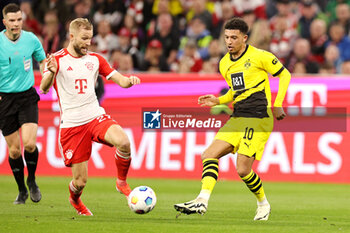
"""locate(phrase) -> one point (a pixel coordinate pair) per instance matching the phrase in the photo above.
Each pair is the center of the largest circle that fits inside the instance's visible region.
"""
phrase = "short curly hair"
(237, 23)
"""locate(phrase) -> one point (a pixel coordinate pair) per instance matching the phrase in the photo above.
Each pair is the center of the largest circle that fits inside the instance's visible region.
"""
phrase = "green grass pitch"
(296, 207)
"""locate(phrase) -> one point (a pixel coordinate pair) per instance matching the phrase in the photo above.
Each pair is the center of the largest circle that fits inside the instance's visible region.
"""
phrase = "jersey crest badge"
(247, 64)
(69, 154)
(89, 66)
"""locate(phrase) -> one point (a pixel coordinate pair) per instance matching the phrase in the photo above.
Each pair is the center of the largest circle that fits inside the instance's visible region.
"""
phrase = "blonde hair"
(79, 23)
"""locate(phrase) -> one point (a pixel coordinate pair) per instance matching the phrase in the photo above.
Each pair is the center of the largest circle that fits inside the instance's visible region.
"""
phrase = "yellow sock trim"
(206, 160)
(209, 174)
(254, 184)
(248, 176)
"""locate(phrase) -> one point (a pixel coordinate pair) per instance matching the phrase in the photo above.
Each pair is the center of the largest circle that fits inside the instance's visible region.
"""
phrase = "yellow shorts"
(247, 135)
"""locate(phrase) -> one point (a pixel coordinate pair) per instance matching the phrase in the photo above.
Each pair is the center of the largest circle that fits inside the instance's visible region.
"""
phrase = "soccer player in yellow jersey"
(245, 70)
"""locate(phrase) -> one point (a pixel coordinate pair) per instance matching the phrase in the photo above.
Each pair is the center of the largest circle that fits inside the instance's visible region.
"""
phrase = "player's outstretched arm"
(278, 111)
(124, 81)
(208, 100)
(48, 74)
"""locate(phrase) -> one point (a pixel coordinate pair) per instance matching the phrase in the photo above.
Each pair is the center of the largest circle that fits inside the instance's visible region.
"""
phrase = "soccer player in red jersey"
(73, 72)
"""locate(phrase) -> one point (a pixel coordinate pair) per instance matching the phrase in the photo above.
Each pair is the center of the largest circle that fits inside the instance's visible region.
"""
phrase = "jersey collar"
(12, 41)
(246, 48)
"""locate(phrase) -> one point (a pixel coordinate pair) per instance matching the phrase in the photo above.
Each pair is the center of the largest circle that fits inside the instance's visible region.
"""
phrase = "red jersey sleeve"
(104, 68)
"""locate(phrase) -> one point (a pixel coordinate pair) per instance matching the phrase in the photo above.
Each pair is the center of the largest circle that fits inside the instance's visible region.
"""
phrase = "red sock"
(122, 161)
(74, 192)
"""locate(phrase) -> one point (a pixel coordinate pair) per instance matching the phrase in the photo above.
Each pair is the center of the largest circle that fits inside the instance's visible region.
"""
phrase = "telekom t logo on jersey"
(81, 84)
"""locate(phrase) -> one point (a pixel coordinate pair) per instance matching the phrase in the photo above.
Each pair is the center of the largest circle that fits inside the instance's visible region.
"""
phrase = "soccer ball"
(142, 200)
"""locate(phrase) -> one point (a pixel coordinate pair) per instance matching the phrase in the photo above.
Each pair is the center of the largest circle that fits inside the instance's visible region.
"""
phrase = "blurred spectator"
(124, 40)
(190, 60)
(105, 40)
(250, 18)
(309, 13)
(345, 67)
(125, 46)
(137, 35)
(126, 64)
(283, 38)
(30, 23)
(154, 60)
(165, 31)
(82, 9)
(223, 13)
(332, 58)
(299, 68)
(331, 8)
(211, 65)
(260, 35)
(343, 16)
(215, 54)
(338, 38)
(270, 8)
(283, 27)
(327, 68)
(141, 11)
(201, 9)
(51, 33)
(255, 6)
(173, 7)
(284, 9)
(300, 60)
(41, 7)
(197, 31)
(318, 39)
(208, 67)
(114, 59)
(322, 4)
(136, 10)
(110, 10)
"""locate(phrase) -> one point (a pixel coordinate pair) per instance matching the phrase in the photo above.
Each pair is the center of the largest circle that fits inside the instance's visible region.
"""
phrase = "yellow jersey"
(247, 77)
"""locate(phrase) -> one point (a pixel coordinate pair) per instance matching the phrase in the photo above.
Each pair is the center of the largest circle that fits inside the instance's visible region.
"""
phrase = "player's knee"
(204, 155)
(80, 183)
(14, 152)
(243, 171)
(207, 154)
(29, 147)
(124, 146)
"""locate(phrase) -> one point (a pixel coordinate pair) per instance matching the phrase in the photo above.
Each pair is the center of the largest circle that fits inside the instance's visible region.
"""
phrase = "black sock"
(17, 167)
(32, 161)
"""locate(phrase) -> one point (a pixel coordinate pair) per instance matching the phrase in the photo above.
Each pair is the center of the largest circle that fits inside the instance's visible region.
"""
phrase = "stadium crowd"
(309, 36)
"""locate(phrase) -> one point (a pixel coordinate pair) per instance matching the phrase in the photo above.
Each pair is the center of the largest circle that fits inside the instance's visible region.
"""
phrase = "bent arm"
(47, 82)
(228, 97)
(285, 77)
(124, 81)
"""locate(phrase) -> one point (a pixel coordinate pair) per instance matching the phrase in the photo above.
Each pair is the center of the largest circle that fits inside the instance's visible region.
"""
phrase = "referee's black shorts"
(17, 109)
